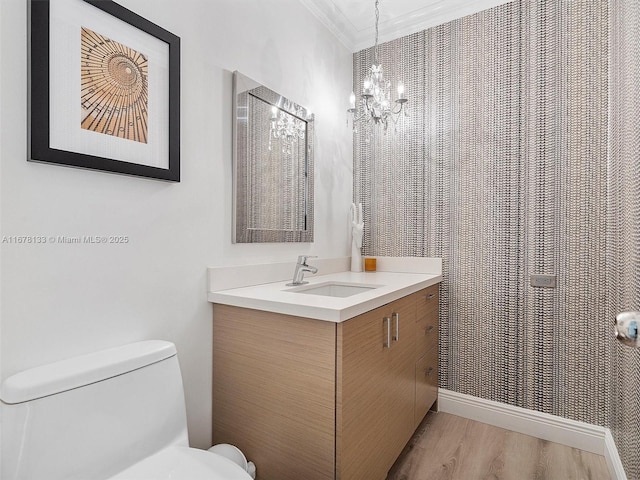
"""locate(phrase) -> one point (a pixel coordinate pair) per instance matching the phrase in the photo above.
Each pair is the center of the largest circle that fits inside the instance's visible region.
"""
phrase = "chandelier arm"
(367, 114)
(357, 114)
(362, 116)
(399, 110)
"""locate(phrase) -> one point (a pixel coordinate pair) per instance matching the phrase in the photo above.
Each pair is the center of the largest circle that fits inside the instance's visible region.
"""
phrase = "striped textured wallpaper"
(624, 221)
(501, 170)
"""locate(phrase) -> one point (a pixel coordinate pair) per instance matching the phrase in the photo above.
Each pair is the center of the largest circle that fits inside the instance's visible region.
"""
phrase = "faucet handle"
(302, 259)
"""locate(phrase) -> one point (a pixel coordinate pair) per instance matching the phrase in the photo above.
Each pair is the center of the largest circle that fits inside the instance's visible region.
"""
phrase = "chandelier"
(374, 107)
(286, 126)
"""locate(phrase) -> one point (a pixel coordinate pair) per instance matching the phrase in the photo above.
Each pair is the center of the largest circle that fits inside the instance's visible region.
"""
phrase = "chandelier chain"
(375, 49)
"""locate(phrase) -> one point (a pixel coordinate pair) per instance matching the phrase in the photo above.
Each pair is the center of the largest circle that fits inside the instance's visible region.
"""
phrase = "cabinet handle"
(428, 372)
(430, 296)
(396, 317)
(428, 329)
(387, 320)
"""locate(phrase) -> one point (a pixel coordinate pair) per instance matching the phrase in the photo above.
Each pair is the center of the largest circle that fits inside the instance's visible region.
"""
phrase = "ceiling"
(353, 21)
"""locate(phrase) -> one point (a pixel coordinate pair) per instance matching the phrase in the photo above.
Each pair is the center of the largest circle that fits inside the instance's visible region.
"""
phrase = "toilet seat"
(183, 463)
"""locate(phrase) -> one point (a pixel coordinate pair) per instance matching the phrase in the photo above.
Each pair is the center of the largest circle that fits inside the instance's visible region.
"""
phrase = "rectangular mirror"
(272, 166)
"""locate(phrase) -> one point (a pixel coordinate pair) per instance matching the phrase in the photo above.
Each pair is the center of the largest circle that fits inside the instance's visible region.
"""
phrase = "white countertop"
(274, 297)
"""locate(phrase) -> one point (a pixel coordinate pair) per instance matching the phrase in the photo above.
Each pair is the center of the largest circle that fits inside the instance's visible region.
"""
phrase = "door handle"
(387, 321)
(396, 317)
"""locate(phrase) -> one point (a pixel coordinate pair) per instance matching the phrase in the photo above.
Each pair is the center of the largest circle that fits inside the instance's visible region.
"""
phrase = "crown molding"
(331, 17)
(442, 11)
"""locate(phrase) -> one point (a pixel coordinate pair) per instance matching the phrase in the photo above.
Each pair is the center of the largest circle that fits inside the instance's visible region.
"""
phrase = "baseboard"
(584, 436)
(616, 470)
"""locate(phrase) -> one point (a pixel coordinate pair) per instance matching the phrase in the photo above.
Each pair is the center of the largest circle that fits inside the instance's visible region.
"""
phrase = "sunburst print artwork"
(114, 88)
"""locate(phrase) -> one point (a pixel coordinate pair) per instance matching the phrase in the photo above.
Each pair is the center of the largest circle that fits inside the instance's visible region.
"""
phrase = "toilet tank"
(92, 416)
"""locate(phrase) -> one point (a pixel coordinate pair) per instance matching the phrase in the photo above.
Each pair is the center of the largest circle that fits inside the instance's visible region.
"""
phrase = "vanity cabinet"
(426, 352)
(312, 399)
(375, 389)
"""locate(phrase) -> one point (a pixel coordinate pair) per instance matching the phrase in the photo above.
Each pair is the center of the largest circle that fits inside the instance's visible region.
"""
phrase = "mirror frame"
(240, 228)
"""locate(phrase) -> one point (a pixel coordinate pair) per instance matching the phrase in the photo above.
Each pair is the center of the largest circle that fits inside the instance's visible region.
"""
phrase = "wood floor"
(450, 447)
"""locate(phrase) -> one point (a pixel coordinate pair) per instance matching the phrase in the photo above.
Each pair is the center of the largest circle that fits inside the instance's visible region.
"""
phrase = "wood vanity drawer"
(426, 383)
(426, 334)
(428, 302)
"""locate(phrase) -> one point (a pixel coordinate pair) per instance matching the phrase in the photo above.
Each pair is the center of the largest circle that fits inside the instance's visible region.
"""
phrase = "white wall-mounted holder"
(626, 327)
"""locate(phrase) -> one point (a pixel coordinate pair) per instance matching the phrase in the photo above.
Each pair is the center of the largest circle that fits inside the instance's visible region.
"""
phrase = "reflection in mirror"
(273, 166)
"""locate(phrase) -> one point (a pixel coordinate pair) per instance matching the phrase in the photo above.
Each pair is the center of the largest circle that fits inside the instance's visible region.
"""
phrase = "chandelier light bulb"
(400, 89)
(366, 89)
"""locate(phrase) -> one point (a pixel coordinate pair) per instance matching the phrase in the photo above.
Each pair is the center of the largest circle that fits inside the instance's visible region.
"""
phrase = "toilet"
(117, 414)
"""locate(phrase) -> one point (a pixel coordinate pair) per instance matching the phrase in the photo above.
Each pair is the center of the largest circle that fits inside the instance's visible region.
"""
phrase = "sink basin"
(334, 289)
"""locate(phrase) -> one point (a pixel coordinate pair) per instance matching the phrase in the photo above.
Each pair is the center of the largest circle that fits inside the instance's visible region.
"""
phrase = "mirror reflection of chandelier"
(286, 126)
(374, 106)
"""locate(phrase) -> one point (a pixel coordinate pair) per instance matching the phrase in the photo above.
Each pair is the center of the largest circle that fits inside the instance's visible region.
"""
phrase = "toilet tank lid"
(83, 370)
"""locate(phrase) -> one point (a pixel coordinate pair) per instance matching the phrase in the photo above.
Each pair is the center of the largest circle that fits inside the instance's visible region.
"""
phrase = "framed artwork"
(105, 89)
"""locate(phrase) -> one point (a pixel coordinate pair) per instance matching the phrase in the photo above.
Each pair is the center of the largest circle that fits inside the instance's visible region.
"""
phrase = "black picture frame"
(40, 70)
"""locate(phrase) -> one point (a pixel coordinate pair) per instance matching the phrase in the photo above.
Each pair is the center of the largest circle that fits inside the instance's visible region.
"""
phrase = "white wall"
(61, 300)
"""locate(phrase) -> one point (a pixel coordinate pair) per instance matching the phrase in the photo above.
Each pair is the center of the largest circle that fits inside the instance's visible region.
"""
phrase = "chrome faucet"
(302, 267)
